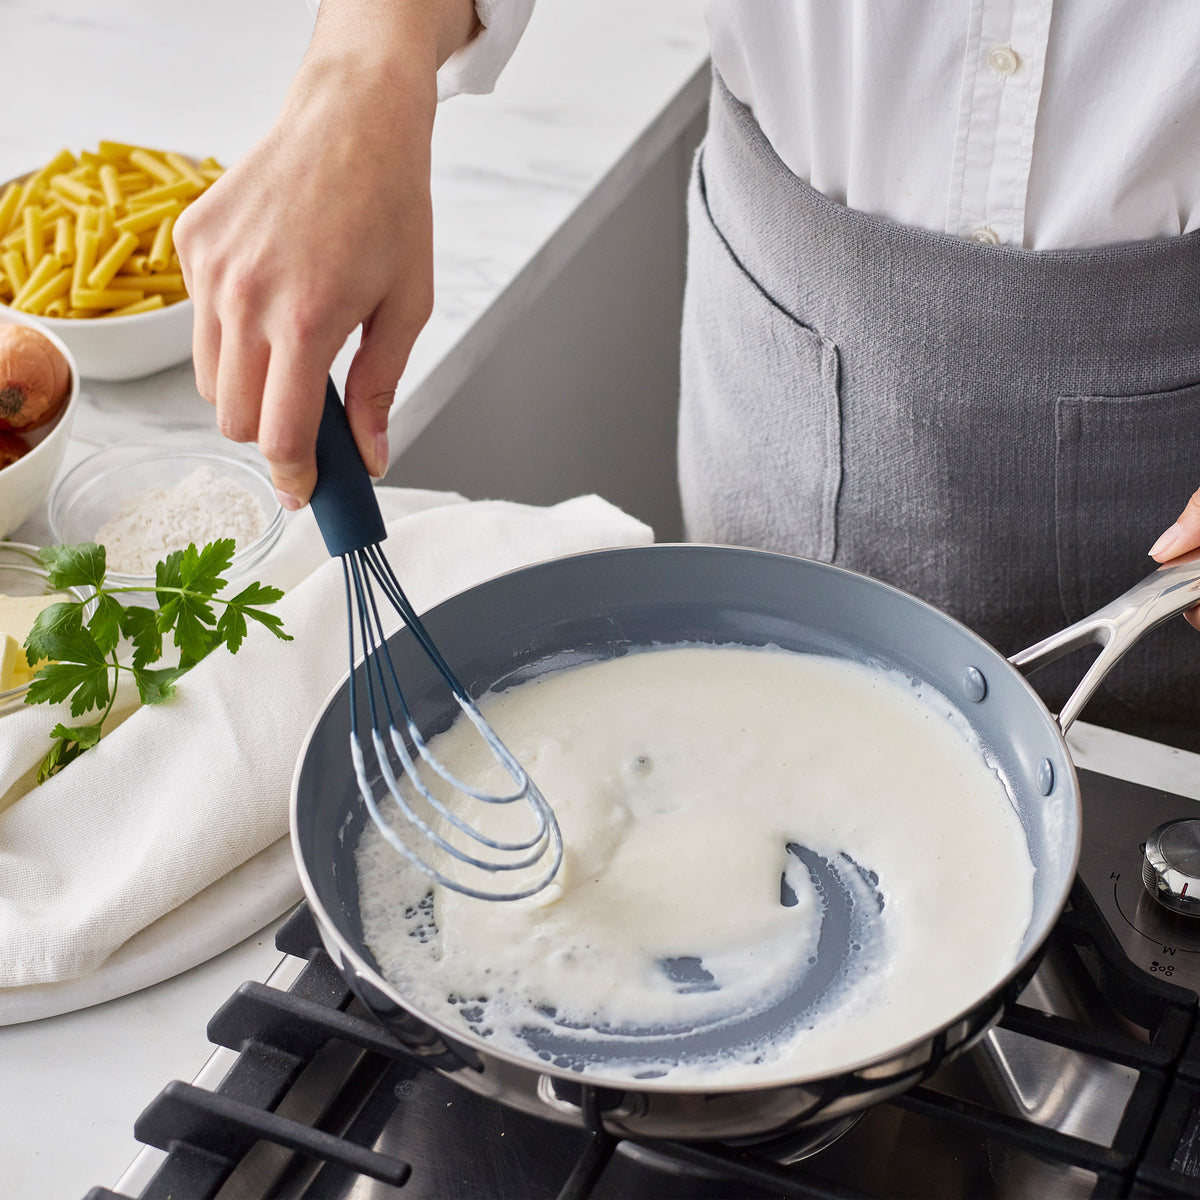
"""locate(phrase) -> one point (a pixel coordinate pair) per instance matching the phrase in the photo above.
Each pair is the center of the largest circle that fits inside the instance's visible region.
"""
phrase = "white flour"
(202, 507)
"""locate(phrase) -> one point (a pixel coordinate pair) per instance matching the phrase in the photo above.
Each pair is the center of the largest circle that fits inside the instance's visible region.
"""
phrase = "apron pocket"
(1123, 473)
(759, 424)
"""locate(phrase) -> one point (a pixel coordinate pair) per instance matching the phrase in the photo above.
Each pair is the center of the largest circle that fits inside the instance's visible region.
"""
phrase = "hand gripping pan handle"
(1163, 594)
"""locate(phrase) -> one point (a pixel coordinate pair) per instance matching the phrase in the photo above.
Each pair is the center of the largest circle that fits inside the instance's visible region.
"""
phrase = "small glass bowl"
(97, 488)
(22, 574)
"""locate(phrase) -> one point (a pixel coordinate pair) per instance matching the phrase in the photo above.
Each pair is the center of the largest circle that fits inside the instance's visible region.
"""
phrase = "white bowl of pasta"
(86, 247)
(127, 347)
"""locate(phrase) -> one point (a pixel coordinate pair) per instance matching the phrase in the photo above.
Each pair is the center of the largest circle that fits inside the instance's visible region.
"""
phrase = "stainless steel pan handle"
(1163, 594)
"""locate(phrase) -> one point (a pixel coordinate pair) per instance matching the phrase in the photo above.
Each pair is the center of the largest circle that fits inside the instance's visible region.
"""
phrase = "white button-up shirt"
(1036, 123)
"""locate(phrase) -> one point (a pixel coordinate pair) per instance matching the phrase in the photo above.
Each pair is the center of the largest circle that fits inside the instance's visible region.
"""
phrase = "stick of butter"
(17, 615)
(8, 660)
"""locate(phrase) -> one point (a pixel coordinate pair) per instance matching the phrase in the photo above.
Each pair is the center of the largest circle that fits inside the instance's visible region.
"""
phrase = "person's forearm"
(416, 29)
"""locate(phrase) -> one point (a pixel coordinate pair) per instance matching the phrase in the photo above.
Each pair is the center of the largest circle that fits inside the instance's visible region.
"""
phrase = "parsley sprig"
(81, 638)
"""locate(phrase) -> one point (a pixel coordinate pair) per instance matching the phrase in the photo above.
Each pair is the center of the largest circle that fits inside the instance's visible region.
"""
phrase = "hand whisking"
(348, 516)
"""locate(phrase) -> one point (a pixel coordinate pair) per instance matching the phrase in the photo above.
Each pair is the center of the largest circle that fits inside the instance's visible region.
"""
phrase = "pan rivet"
(974, 683)
(1045, 777)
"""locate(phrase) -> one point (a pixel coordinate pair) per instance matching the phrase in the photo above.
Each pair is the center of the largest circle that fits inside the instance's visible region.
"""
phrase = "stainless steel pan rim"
(994, 666)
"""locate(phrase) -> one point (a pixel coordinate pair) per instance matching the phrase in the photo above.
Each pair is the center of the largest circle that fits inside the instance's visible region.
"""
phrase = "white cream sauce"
(680, 777)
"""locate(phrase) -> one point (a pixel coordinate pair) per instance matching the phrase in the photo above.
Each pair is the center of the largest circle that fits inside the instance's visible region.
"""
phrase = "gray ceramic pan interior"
(608, 603)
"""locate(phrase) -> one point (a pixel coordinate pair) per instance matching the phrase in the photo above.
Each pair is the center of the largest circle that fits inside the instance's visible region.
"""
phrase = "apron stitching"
(832, 366)
(742, 266)
(1066, 500)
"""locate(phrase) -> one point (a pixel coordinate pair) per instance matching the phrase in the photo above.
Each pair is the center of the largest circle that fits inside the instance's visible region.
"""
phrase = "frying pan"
(607, 603)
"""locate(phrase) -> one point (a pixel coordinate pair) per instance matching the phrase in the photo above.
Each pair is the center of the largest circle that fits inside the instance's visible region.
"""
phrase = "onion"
(35, 379)
(12, 447)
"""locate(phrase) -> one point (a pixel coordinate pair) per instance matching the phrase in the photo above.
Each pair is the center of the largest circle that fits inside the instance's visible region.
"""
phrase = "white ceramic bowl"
(25, 484)
(94, 490)
(115, 348)
(22, 574)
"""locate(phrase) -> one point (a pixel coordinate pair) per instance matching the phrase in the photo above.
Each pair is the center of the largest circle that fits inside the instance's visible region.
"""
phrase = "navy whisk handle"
(343, 501)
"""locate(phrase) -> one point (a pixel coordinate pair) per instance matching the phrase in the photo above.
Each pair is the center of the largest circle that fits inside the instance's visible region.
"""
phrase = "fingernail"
(1166, 541)
(379, 456)
(289, 501)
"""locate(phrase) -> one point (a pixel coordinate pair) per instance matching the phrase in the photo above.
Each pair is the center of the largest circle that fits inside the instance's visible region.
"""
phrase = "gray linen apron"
(999, 431)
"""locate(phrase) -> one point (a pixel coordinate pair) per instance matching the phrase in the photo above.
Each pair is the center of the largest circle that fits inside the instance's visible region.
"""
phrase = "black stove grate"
(262, 1129)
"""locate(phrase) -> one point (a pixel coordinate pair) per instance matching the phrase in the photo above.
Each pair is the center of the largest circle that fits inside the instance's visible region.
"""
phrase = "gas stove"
(1089, 1087)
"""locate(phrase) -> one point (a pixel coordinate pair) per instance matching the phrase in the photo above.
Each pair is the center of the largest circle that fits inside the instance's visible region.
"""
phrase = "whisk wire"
(382, 570)
(518, 774)
(373, 669)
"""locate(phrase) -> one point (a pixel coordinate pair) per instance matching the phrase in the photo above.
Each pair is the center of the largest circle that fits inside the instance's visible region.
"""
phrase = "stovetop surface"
(1089, 1087)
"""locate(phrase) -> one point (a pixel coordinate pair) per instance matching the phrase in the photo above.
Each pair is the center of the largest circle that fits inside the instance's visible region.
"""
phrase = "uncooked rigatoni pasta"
(92, 235)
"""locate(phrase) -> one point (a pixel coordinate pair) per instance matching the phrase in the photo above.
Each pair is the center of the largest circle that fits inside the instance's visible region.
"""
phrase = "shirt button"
(985, 234)
(1003, 60)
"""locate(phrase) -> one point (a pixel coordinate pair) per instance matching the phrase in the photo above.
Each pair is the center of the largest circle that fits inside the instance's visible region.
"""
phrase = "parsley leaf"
(79, 566)
(156, 686)
(140, 626)
(55, 633)
(86, 684)
(85, 735)
(201, 570)
(78, 667)
(72, 741)
(232, 626)
(105, 623)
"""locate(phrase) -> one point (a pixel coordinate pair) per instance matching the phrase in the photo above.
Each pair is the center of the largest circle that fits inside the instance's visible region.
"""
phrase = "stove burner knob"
(1171, 865)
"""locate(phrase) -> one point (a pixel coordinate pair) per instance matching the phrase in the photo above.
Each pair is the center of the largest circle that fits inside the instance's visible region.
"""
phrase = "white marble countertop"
(520, 179)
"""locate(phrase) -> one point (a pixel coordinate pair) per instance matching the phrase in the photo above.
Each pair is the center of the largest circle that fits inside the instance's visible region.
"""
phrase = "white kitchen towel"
(181, 793)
